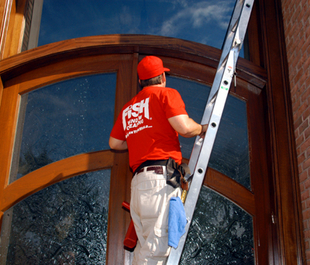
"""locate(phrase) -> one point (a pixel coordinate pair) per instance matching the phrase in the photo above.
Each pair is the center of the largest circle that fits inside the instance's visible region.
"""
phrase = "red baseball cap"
(150, 66)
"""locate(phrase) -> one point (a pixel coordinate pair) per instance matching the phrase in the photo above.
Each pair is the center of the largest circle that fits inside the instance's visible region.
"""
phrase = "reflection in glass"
(65, 223)
(220, 233)
(230, 154)
(65, 119)
(204, 22)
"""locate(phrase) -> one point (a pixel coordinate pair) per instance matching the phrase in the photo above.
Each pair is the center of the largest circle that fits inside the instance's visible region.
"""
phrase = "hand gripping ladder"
(213, 112)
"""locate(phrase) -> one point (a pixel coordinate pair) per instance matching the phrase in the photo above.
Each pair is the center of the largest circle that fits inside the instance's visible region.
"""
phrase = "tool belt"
(177, 175)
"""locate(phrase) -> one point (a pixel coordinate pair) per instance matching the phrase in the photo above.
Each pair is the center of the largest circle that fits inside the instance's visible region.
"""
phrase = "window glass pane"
(220, 233)
(230, 154)
(65, 223)
(65, 119)
(200, 21)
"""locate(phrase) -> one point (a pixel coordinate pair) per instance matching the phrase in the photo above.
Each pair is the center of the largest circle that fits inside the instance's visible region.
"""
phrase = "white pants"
(149, 208)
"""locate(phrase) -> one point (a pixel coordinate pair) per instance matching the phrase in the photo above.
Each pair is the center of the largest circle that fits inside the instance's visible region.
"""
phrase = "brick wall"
(296, 17)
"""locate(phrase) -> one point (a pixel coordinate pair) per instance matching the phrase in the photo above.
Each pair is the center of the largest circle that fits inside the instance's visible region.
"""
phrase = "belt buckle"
(156, 169)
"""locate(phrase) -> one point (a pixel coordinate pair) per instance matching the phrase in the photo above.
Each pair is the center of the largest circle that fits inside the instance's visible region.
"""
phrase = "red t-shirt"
(143, 123)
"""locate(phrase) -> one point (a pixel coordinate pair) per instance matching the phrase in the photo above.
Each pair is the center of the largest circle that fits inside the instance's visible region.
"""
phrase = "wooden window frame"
(268, 72)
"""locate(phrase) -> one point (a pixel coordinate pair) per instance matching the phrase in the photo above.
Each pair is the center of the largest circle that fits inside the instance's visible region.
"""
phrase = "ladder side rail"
(225, 51)
(212, 115)
(228, 43)
(235, 36)
(203, 158)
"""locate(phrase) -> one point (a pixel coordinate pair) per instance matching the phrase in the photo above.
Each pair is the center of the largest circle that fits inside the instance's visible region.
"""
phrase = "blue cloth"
(176, 221)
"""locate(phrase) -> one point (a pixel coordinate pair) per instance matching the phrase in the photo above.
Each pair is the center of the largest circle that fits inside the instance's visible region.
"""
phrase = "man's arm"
(186, 126)
(117, 144)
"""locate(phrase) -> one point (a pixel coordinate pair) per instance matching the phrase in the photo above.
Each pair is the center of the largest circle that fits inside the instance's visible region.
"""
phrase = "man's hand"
(203, 130)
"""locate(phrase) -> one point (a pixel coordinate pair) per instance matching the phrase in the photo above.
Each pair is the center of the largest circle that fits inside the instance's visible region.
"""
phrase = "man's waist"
(149, 163)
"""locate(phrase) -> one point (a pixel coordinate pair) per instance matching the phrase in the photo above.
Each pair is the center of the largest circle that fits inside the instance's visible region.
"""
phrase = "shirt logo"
(134, 115)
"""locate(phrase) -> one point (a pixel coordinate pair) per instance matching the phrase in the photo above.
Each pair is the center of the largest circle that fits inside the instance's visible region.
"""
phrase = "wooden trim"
(8, 122)
(13, 44)
(120, 175)
(5, 14)
(1, 91)
(53, 173)
(231, 190)
(71, 68)
(287, 230)
(113, 44)
(15, 29)
(253, 45)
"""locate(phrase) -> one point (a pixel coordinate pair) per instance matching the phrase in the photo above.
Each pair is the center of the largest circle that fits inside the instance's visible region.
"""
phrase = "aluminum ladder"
(212, 114)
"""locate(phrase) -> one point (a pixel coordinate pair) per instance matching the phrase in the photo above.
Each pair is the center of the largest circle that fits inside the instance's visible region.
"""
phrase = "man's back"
(147, 131)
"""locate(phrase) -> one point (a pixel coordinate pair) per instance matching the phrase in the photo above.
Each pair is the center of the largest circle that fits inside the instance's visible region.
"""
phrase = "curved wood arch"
(59, 71)
(124, 44)
(53, 173)
(231, 190)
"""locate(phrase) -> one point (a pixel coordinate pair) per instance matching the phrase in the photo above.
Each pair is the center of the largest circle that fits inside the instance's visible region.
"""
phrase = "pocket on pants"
(151, 194)
(160, 246)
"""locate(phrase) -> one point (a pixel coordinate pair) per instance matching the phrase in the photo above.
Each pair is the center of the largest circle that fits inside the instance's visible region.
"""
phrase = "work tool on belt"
(178, 176)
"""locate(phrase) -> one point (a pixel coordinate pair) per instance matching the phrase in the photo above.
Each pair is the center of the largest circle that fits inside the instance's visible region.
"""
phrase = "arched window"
(58, 105)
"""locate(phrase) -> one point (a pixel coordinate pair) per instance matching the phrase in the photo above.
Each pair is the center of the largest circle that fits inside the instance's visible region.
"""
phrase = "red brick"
(306, 113)
(301, 158)
(307, 61)
(305, 195)
(297, 37)
(307, 184)
(308, 257)
(303, 207)
(305, 94)
(306, 164)
(303, 176)
(302, 80)
(307, 133)
(305, 145)
(299, 140)
(297, 122)
(299, 72)
(307, 234)
(307, 245)
(302, 189)
(307, 32)
(304, 125)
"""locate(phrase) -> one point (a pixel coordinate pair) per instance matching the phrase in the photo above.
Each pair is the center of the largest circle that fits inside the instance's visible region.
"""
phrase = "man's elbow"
(186, 132)
(117, 144)
(113, 144)
(191, 129)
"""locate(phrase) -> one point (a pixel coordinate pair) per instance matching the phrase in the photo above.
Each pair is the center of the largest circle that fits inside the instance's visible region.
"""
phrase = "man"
(148, 126)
